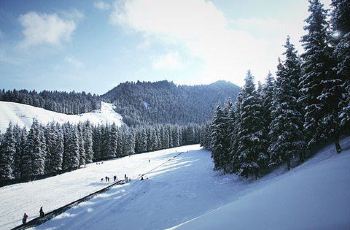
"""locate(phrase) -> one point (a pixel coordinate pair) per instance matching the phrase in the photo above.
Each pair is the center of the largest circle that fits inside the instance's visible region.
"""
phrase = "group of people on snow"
(25, 216)
(115, 178)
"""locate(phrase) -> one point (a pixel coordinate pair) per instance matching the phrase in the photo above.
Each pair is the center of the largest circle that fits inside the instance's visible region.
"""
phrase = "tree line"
(61, 102)
(54, 148)
(286, 119)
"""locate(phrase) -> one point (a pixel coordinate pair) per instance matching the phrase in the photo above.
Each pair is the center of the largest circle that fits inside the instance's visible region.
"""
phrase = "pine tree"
(176, 136)
(88, 142)
(286, 126)
(121, 141)
(220, 138)
(129, 143)
(205, 139)
(20, 139)
(82, 155)
(143, 141)
(217, 137)
(71, 148)
(267, 100)
(341, 28)
(50, 146)
(36, 151)
(234, 138)
(7, 155)
(113, 142)
(250, 138)
(58, 150)
(96, 136)
(317, 72)
(104, 141)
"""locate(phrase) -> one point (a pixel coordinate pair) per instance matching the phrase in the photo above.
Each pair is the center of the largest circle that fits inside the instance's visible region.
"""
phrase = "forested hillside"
(138, 103)
(165, 102)
(288, 118)
(61, 102)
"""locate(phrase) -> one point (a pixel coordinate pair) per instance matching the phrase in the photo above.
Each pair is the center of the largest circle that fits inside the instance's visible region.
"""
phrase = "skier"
(125, 178)
(42, 214)
(115, 178)
(25, 217)
(141, 177)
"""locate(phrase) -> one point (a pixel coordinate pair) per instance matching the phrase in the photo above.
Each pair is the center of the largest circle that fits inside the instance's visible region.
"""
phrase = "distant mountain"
(138, 102)
(165, 102)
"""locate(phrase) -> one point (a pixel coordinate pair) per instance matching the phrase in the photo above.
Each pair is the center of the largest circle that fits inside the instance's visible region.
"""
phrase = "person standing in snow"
(42, 214)
(24, 219)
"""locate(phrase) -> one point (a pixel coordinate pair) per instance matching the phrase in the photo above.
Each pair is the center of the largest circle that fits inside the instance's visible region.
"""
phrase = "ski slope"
(185, 193)
(54, 192)
(315, 195)
(23, 115)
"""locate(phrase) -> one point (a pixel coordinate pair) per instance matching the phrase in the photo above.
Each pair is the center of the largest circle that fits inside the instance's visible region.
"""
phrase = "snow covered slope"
(23, 115)
(185, 192)
(315, 195)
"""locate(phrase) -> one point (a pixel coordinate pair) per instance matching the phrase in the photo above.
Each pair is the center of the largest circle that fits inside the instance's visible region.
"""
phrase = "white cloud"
(76, 63)
(41, 28)
(226, 47)
(201, 28)
(101, 5)
(168, 61)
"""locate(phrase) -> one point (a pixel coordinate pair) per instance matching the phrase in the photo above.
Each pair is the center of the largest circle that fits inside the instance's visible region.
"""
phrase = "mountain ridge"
(165, 102)
(138, 102)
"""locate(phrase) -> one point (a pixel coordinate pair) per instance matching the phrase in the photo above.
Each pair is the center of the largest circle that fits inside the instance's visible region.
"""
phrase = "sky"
(93, 46)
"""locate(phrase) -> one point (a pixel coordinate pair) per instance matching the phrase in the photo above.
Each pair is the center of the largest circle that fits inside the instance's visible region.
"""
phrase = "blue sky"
(94, 45)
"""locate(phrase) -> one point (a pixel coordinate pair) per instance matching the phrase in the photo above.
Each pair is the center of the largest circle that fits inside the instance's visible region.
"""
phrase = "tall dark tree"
(205, 136)
(113, 142)
(58, 150)
(250, 136)
(88, 142)
(50, 146)
(129, 143)
(341, 30)
(219, 147)
(81, 140)
(317, 78)
(286, 127)
(35, 151)
(267, 100)
(7, 155)
(21, 138)
(71, 156)
(234, 135)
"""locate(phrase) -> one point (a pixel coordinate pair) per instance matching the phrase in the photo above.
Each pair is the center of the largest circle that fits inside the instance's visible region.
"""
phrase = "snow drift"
(23, 115)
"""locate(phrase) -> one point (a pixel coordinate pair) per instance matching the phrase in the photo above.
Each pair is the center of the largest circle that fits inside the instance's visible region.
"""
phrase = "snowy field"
(186, 193)
(54, 192)
(23, 115)
(315, 195)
